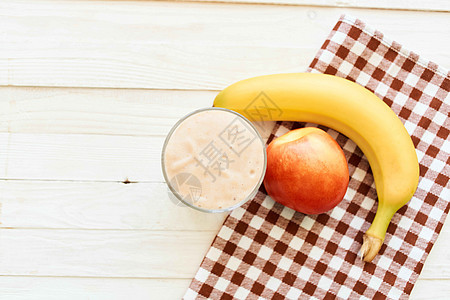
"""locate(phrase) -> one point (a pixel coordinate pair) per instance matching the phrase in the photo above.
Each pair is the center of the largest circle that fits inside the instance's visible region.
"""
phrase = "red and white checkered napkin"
(269, 251)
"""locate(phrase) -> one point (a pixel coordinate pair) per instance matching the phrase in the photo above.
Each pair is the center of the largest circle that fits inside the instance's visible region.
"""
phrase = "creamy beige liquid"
(214, 159)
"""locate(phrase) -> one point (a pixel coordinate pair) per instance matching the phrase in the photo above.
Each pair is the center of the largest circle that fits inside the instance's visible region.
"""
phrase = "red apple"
(306, 171)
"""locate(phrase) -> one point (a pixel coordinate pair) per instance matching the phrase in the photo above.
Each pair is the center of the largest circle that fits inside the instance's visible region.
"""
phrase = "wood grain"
(431, 289)
(436, 265)
(98, 205)
(178, 45)
(102, 253)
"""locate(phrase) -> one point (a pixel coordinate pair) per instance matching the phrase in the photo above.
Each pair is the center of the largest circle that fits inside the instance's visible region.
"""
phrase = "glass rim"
(191, 205)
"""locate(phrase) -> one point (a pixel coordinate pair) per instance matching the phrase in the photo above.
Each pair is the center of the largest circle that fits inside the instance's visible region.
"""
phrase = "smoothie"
(214, 160)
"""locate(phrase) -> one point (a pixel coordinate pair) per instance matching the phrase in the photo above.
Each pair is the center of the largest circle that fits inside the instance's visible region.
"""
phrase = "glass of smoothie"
(214, 160)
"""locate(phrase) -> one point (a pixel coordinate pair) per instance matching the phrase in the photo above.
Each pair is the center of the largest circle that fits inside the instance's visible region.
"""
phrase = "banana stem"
(370, 247)
(374, 236)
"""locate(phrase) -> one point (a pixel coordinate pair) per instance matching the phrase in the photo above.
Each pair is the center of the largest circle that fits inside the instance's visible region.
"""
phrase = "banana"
(350, 109)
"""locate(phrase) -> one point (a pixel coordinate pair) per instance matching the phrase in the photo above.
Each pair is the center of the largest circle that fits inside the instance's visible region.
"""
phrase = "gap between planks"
(415, 5)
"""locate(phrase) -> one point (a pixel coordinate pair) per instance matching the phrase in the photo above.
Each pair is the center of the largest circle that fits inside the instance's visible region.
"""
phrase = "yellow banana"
(350, 109)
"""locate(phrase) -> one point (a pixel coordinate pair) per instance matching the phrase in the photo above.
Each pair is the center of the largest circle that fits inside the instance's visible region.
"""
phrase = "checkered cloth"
(267, 250)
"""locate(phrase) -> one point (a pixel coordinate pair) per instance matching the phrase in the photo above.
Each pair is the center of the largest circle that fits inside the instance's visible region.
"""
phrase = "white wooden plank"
(83, 157)
(57, 288)
(72, 288)
(180, 45)
(435, 5)
(431, 289)
(437, 264)
(201, 63)
(102, 253)
(96, 205)
(96, 111)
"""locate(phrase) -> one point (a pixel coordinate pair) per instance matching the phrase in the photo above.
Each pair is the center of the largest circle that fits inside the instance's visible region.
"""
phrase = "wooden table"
(89, 89)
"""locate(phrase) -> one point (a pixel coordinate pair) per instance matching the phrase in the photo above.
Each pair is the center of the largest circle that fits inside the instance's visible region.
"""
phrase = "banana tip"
(370, 247)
